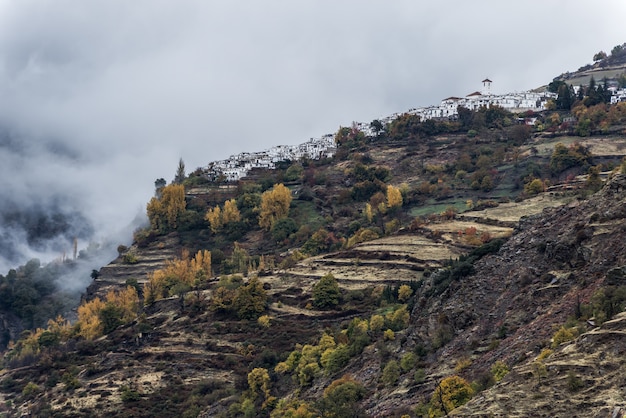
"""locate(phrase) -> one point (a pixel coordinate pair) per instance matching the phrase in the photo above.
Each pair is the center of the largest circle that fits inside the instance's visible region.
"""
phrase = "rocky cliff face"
(511, 306)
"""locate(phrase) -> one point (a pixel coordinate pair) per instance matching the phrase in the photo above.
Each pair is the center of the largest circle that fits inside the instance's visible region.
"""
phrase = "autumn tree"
(394, 197)
(90, 326)
(362, 235)
(164, 211)
(404, 292)
(534, 187)
(564, 157)
(121, 307)
(293, 408)
(231, 212)
(451, 393)
(321, 241)
(259, 382)
(215, 219)
(274, 205)
(97, 317)
(177, 274)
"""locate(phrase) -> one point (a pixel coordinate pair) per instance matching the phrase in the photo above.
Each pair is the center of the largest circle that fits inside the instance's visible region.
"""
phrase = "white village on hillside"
(239, 165)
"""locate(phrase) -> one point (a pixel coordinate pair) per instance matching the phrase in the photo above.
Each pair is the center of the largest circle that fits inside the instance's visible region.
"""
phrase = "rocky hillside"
(510, 308)
(506, 310)
(580, 379)
(437, 263)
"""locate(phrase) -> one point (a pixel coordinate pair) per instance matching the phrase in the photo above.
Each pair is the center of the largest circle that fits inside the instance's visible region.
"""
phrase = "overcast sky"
(124, 88)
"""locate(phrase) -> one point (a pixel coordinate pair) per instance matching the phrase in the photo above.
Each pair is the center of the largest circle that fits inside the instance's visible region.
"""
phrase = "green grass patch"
(304, 213)
(439, 207)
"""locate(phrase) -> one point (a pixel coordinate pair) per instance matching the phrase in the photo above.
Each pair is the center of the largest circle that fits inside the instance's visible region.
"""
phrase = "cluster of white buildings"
(239, 165)
(618, 96)
(448, 108)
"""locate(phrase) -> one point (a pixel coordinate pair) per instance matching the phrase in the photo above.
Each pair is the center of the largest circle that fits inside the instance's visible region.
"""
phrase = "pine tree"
(180, 172)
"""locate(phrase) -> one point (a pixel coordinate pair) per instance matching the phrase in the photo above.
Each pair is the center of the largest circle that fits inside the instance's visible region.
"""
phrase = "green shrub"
(563, 335)
(391, 373)
(30, 390)
(334, 359)
(340, 399)
(130, 258)
(408, 361)
(574, 383)
(326, 292)
(129, 395)
(499, 370)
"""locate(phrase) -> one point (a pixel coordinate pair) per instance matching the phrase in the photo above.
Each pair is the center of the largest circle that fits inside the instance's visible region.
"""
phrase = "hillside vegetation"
(465, 267)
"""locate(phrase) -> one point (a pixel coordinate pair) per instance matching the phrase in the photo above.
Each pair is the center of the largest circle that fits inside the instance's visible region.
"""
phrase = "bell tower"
(486, 87)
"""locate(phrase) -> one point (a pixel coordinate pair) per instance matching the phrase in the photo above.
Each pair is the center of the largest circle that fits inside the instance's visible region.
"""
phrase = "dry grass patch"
(469, 232)
(606, 146)
(512, 212)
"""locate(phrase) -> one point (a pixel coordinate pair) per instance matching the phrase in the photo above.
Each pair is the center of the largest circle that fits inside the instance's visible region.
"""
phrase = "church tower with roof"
(486, 87)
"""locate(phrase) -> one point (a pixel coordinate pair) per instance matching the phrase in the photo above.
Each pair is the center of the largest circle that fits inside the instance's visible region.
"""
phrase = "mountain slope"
(510, 308)
(449, 281)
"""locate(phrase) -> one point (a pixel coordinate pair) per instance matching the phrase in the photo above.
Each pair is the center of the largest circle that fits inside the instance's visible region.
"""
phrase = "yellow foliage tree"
(259, 381)
(362, 235)
(201, 265)
(162, 283)
(264, 321)
(451, 393)
(90, 326)
(389, 335)
(165, 210)
(404, 292)
(90, 314)
(394, 197)
(377, 322)
(293, 408)
(231, 212)
(399, 318)
(274, 205)
(127, 301)
(60, 326)
(214, 218)
(327, 341)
